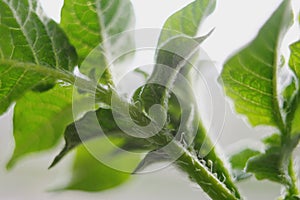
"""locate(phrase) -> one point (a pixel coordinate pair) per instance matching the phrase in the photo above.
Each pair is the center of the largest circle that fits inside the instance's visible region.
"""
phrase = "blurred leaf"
(250, 75)
(272, 141)
(41, 124)
(40, 120)
(33, 50)
(90, 174)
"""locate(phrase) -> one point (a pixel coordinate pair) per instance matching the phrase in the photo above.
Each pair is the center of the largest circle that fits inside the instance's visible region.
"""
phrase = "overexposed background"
(236, 23)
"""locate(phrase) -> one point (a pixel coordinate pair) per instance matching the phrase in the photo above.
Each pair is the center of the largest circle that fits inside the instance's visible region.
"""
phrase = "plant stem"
(199, 173)
(188, 162)
(292, 189)
(184, 159)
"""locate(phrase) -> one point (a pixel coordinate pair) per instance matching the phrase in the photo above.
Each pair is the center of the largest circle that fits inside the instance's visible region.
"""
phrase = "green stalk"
(199, 173)
(292, 190)
(187, 161)
(289, 143)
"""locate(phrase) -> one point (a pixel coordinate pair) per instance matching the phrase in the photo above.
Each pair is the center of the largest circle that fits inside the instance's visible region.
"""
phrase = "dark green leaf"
(250, 76)
(151, 158)
(33, 50)
(292, 197)
(86, 128)
(96, 124)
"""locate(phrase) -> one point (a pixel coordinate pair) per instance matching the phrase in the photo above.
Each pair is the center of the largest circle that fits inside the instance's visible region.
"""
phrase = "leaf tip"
(58, 157)
(10, 164)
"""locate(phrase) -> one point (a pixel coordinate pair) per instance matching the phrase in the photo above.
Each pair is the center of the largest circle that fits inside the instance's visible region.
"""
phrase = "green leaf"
(90, 174)
(172, 58)
(175, 55)
(187, 20)
(239, 160)
(288, 95)
(88, 127)
(250, 76)
(33, 50)
(238, 163)
(292, 197)
(296, 122)
(151, 158)
(176, 49)
(95, 124)
(40, 120)
(179, 53)
(268, 166)
(89, 23)
(272, 141)
(294, 62)
(251, 80)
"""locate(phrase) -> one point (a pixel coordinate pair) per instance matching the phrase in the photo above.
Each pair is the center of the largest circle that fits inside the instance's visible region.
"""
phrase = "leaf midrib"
(277, 111)
(18, 20)
(44, 70)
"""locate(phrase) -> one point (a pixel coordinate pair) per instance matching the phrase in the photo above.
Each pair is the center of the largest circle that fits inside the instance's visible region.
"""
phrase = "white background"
(236, 22)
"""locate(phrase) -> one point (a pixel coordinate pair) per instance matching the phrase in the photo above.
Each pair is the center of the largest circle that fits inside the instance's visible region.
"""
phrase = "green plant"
(38, 60)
